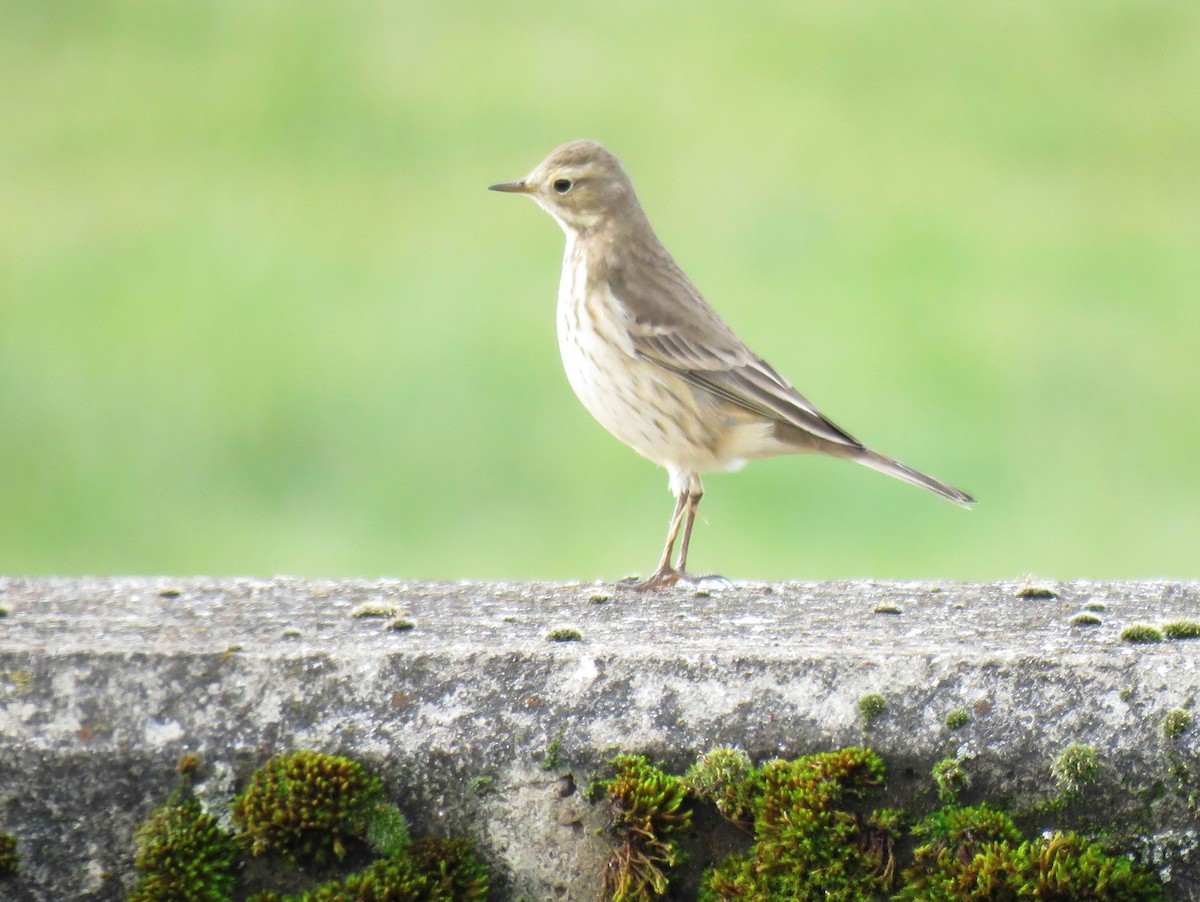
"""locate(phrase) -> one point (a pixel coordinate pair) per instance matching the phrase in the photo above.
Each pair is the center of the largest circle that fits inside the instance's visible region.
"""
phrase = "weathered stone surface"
(104, 683)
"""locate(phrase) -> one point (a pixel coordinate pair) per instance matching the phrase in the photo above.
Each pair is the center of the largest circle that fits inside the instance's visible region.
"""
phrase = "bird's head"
(581, 185)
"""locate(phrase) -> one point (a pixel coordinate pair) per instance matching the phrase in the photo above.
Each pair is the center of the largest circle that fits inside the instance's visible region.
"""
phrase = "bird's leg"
(665, 575)
(693, 502)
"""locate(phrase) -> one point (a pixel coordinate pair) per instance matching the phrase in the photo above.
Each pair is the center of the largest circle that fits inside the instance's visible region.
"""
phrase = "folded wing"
(672, 326)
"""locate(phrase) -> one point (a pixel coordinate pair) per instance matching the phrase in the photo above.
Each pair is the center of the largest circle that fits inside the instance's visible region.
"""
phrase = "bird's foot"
(661, 578)
(666, 577)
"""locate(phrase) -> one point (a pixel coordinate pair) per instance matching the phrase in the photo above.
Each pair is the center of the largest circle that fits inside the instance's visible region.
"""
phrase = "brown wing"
(674, 327)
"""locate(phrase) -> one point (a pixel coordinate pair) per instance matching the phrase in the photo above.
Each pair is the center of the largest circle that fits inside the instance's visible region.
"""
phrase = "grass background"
(258, 313)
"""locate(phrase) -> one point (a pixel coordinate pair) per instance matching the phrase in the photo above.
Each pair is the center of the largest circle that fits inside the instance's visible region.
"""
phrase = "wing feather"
(671, 325)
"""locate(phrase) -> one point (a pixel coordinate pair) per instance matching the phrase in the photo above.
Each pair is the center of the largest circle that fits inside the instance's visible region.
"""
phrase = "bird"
(655, 364)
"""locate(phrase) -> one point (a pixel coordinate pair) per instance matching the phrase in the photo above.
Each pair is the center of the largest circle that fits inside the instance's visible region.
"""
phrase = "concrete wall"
(105, 683)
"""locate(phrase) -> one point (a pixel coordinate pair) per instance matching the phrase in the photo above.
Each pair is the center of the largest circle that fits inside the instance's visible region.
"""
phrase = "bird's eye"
(562, 186)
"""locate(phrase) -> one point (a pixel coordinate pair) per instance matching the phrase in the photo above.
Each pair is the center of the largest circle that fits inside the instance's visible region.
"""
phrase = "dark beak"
(511, 187)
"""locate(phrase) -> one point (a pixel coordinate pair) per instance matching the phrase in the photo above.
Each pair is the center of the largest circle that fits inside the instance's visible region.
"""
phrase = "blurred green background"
(258, 314)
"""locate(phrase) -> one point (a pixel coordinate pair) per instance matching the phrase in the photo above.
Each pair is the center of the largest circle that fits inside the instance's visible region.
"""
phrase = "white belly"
(648, 408)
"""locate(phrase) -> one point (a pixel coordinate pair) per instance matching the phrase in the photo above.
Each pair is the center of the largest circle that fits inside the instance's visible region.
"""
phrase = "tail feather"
(908, 474)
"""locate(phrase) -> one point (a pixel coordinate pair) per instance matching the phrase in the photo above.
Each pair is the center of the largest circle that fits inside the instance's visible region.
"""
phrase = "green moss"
(807, 845)
(452, 866)
(949, 839)
(871, 708)
(722, 777)
(306, 806)
(977, 855)
(1086, 620)
(815, 838)
(387, 829)
(230, 651)
(187, 765)
(1140, 633)
(373, 609)
(649, 809)
(436, 870)
(951, 778)
(20, 678)
(893, 819)
(183, 854)
(1182, 629)
(888, 609)
(1075, 767)
(564, 634)
(1175, 723)
(596, 788)
(957, 719)
(1097, 607)
(400, 625)
(1033, 591)
(10, 857)
(553, 757)
(482, 784)
(3, 612)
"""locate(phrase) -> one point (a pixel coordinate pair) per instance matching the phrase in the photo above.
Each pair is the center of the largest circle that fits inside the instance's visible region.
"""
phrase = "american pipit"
(654, 363)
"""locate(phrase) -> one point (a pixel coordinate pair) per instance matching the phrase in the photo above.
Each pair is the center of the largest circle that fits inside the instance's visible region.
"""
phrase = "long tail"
(908, 474)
